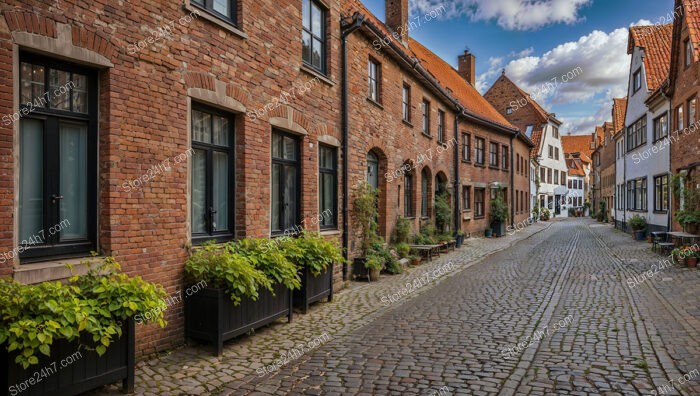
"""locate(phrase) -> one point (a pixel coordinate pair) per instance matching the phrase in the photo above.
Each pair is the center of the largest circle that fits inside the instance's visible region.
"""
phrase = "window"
(517, 163)
(373, 72)
(286, 176)
(691, 112)
(328, 186)
(556, 176)
(637, 81)
(479, 195)
(543, 175)
(426, 117)
(509, 110)
(570, 184)
(661, 127)
(637, 134)
(551, 151)
(441, 126)
(466, 147)
(407, 103)
(225, 9)
(637, 194)
(504, 157)
(313, 35)
(555, 131)
(408, 196)
(688, 52)
(424, 199)
(479, 150)
(556, 153)
(679, 118)
(563, 178)
(661, 193)
(57, 159)
(528, 130)
(493, 154)
(466, 198)
(549, 176)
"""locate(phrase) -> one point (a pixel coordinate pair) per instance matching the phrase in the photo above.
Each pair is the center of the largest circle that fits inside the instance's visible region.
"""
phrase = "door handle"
(55, 198)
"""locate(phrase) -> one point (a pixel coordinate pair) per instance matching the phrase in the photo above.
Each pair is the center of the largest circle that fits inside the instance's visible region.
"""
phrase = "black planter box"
(499, 229)
(358, 268)
(314, 288)
(81, 372)
(211, 316)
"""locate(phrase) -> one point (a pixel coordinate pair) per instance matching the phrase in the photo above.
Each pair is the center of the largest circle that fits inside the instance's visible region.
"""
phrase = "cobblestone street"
(558, 308)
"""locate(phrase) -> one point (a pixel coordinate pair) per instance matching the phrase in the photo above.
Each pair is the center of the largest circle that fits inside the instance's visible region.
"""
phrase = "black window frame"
(425, 193)
(210, 148)
(505, 159)
(637, 134)
(479, 205)
(297, 164)
(53, 248)
(479, 151)
(441, 126)
(406, 102)
(637, 81)
(425, 117)
(493, 155)
(208, 7)
(333, 172)
(466, 147)
(657, 134)
(661, 193)
(322, 39)
(374, 78)
(466, 198)
(408, 192)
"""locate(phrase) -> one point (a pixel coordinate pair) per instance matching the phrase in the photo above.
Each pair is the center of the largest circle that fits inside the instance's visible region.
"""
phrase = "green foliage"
(443, 212)
(374, 261)
(445, 237)
(310, 250)
(637, 223)
(364, 213)
(221, 268)
(403, 249)
(545, 214)
(269, 257)
(403, 230)
(389, 258)
(426, 235)
(32, 317)
(690, 214)
(499, 210)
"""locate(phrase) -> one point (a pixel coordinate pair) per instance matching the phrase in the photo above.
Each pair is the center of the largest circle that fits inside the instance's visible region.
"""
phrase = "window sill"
(315, 73)
(478, 165)
(505, 169)
(47, 271)
(205, 14)
(479, 217)
(407, 123)
(374, 102)
(466, 211)
(427, 135)
(661, 212)
(466, 161)
(494, 167)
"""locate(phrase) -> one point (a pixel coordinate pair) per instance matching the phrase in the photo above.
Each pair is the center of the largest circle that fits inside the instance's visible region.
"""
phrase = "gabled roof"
(577, 144)
(690, 12)
(537, 141)
(541, 112)
(575, 166)
(619, 113)
(446, 76)
(449, 78)
(656, 42)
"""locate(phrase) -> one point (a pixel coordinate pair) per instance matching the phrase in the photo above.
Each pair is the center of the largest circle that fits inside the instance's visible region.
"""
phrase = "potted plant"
(459, 238)
(681, 255)
(692, 256)
(374, 264)
(536, 213)
(638, 225)
(415, 259)
(249, 284)
(314, 257)
(443, 212)
(499, 216)
(488, 233)
(364, 213)
(402, 230)
(87, 322)
(545, 214)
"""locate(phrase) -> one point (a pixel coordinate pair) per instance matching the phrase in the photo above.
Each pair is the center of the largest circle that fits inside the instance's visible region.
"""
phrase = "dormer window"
(637, 81)
(509, 110)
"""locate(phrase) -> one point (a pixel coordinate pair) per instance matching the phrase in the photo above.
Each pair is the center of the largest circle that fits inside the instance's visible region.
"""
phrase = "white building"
(643, 155)
(552, 170)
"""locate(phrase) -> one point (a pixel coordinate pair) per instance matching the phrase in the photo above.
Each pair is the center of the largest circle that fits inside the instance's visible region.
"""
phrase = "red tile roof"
(575, 167)
(445, 74)
(656, 41)
(537, 140)
(692, 19)
(619, 113)
(577, 144)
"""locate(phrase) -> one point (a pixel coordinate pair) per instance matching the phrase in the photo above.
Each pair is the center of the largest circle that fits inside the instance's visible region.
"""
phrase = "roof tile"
(656, 41)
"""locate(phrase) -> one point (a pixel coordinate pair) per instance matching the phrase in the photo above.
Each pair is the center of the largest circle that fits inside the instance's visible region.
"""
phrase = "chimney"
(467, 67)
(397, 19)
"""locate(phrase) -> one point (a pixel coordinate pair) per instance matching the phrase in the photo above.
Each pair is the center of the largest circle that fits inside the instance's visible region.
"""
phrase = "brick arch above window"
(285, 117)
(75, 43)
(205, 88)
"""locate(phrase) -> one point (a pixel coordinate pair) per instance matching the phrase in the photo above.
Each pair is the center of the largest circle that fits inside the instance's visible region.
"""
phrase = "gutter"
(357, 21)
(457, 207)
(512, 184)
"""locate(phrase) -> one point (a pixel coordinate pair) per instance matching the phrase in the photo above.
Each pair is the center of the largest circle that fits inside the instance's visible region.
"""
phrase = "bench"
(427, 250)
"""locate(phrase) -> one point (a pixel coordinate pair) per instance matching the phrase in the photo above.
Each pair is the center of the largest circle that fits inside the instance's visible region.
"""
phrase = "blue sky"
(540, 41)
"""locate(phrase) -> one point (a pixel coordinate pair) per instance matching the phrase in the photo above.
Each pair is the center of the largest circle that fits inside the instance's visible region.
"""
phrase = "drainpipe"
(669, 222)
(512, 184)
(357, 21)
(457, 211)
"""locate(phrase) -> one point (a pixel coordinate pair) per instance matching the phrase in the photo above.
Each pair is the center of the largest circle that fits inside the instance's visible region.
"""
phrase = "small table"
(427, 250)
(682, 236)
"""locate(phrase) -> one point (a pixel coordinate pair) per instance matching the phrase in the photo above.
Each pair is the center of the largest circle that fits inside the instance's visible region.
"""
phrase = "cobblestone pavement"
(193, 370)
(570, 310)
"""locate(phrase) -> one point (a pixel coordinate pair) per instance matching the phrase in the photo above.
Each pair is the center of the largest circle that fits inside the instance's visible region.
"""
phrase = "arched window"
(373, 170)
(425, 180)
(408, 195)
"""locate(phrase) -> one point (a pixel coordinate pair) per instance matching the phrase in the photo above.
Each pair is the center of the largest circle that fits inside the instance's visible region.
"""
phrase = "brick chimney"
(397, 18)
(467, 67)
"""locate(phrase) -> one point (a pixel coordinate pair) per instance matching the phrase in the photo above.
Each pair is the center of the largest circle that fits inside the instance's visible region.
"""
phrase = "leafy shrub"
(403, 249)
(374, 261)
(545, 214)
(268, 257)
(499, 210)
(32, 317)
(388, 257)
(638, 223)
(443, 212)
(310, 250)
(221, 267)
(365, 213)
(403, 230)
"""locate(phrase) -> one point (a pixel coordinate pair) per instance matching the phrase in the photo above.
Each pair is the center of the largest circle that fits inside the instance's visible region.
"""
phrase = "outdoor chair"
(661, 242)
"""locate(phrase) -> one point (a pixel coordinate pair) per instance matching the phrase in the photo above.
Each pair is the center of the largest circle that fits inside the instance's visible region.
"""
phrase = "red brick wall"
(522, 180)
(504, 94)
(685, 146)
(143, 122)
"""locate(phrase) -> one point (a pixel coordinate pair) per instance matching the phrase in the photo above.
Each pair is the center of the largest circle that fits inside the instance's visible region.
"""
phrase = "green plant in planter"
(443, 212)
(310, 250)
(375, 261)
(270, 258)
(32, 317)
(403, 249)
(390, 259)
(638, 223)
(364, 214)
(403, 230)
(499, 210)
(221, 268)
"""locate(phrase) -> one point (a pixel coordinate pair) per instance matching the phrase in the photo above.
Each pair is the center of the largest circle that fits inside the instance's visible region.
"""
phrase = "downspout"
(357, 21)
(512, 184)
(457, 211)
(669, 222)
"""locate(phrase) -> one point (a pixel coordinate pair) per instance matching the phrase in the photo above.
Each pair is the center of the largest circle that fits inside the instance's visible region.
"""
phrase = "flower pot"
(488, 233)
(374, 274)
(499, 229)
(460, 240)
(639, 235)
(650, 239)
(358, 268)
(692, 262)
(681, 260)
(314, 288)
(84, 370)
(211, 316)
(416, 261)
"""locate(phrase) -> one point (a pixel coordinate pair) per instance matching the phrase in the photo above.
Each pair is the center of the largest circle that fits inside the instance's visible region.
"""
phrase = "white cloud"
(522, 54)
(509, 14)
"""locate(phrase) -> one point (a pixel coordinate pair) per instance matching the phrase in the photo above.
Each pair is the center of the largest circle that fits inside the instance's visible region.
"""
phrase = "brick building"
(150, 132)
(604, 160)
(578, 152)
(684, 86)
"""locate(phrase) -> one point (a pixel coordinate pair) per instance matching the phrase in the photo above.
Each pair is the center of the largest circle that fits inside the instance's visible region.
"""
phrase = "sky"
(570, 55)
